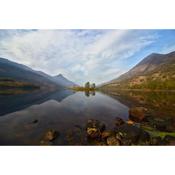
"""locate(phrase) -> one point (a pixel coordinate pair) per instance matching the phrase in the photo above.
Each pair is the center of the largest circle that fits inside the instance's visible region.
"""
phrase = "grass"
(9, 86)
(82, 89)
(156, 133)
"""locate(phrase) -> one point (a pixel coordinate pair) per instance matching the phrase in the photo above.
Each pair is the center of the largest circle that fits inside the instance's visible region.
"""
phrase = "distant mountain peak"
(63, 80)
(59, 75)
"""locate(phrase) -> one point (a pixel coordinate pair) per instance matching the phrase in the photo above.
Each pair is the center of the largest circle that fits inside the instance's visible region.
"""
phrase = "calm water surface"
(67, 112)
(64, 111)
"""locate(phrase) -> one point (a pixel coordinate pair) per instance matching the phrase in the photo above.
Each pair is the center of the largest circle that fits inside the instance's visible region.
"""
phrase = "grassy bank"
(10, 86)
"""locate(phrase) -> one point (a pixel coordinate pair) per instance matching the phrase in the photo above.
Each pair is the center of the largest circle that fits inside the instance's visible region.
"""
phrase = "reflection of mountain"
(160, 104)
(12, 103)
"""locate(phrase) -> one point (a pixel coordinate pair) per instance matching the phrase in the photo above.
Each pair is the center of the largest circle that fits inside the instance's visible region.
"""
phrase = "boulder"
(94, 128)
(132, 135)
(112, 141)
(93, 133)
(138, 114)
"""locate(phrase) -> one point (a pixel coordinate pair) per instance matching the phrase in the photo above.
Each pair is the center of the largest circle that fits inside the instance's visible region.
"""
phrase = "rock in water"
(106, 134)
(35, 121)
(112, 141)
(130, 122)
(119, 121)
(137, 114)
(50, 135)
(94, 128)
(93, 132)
(131, 135)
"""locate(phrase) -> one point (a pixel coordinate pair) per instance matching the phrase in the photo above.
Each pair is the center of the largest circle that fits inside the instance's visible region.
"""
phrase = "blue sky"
(84, 55)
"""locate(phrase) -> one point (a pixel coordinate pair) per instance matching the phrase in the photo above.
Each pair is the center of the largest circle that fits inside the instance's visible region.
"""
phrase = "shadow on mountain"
(12, 103)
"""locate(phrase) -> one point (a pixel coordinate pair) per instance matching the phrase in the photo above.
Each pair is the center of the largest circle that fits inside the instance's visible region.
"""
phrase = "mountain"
(156, 71)
(11, 72)
(60, 79)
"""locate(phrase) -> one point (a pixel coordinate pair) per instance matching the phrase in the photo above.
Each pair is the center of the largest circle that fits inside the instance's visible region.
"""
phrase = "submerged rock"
(119, 121)
(50, 135)
(35, 121)
(138, 114)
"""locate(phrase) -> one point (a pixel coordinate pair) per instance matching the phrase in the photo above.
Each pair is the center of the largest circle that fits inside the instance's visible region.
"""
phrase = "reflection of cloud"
(81, 55)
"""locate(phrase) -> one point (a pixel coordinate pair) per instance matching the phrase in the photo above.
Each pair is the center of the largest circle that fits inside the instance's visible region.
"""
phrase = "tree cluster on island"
(87, 87)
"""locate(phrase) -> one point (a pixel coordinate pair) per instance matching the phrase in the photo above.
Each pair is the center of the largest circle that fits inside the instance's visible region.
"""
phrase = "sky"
(84, 55)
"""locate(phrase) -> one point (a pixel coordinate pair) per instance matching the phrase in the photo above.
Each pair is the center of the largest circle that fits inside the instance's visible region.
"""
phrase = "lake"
(25, 118)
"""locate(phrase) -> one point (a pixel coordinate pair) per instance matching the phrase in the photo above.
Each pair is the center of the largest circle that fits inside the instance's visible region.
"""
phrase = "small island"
(86, 87)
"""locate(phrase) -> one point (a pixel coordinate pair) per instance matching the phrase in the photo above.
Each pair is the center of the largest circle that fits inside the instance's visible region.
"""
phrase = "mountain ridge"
(153, 70)
(23, 73)
(64, 81)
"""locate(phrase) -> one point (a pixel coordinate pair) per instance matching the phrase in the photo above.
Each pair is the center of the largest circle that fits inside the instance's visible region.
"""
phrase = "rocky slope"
(156, 71)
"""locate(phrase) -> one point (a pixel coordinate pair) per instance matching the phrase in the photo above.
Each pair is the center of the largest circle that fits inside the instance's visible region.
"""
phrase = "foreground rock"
(138, 114)
(94, 128)
(113, 141)
(122, 134)
(49, 137)
(131, 135)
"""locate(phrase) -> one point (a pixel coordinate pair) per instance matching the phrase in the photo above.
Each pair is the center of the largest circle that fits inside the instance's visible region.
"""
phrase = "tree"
(87, 85)
(93, 85)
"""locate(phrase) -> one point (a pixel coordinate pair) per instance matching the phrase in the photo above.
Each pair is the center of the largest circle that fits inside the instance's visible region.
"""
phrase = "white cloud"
(85, 55)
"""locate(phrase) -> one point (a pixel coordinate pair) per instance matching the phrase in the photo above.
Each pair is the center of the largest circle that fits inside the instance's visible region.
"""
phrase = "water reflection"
(26, 117)
(160, 104)
(67, 116)
(12, 103)
(88, 93)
